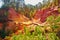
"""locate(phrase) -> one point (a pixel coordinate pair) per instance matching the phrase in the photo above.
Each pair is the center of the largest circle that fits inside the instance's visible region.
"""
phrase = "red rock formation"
(43, 14)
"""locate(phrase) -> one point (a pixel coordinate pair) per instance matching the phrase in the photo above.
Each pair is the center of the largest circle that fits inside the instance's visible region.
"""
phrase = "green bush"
(36, 35)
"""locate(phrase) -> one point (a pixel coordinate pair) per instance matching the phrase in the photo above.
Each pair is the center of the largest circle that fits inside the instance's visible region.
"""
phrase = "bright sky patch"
(1, 3)
(33, 2)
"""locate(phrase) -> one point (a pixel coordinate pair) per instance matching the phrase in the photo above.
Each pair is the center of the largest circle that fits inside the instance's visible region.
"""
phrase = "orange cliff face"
(43, 14)
(13, 15)
(17, 18)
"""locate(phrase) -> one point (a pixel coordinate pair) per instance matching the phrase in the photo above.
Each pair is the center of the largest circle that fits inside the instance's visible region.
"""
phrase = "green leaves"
(57, 19)
(38, 30)
(50, 19)
(52, 36)
(27, 32)
(37, 35)
(55, 26)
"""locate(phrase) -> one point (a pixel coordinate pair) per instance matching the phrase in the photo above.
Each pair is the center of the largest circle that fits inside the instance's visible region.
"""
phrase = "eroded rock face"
(10, 21)
(15, 16)
(43, 14)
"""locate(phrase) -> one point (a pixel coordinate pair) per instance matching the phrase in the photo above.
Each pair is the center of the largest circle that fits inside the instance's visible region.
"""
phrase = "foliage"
(53, 21)
(52, 36)
(50, 19)
(36, 35)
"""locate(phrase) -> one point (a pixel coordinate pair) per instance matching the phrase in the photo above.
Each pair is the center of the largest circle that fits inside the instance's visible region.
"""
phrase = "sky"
(32, 2)
(1, 3)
